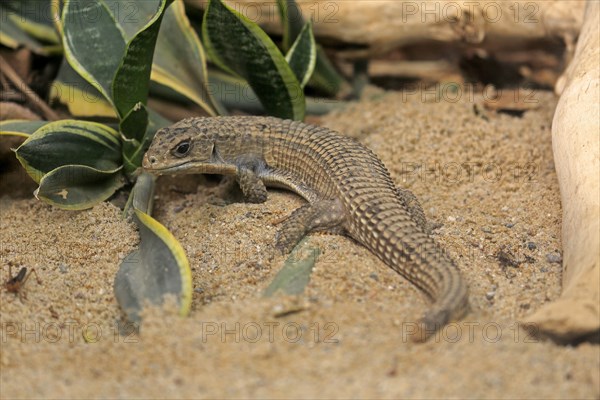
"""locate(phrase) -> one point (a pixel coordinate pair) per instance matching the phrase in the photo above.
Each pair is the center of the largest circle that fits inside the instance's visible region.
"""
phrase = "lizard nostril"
(149, 161)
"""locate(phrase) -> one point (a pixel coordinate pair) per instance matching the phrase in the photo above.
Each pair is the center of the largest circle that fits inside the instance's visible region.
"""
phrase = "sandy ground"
(487, 180)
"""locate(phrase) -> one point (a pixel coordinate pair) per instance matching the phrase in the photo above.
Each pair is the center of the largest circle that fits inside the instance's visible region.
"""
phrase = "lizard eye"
(182, 149)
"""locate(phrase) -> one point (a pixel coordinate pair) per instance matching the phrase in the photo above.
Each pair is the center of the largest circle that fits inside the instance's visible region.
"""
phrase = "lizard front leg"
(321, 215)
(252, 186)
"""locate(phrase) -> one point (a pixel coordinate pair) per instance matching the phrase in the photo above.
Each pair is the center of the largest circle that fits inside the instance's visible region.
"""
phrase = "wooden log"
(380, 26)
(576, 147)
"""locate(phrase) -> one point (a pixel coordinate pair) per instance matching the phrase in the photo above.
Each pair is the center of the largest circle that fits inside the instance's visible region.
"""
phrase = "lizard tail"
(403, 246)
(437, 317)
(451, 299)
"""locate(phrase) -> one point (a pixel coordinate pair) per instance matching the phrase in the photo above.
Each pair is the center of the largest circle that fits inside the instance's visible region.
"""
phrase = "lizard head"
(187, 146)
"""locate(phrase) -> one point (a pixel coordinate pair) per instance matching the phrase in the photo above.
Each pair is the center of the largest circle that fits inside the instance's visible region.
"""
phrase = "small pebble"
(531, 245)
(63, 268)
(486, 229)
(509, 224)
(451, 218)
(554, 258)
(374, 276)
(490, 295)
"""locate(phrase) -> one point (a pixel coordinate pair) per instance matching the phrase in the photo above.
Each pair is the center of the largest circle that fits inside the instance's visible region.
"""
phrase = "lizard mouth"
(191, 167)
(167, 169)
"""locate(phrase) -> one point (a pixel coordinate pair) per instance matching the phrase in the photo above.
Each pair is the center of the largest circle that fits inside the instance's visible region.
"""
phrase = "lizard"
(347, 188)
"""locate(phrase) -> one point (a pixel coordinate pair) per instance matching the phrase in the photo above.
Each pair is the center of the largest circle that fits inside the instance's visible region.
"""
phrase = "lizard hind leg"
(413, 206)
(321, 215)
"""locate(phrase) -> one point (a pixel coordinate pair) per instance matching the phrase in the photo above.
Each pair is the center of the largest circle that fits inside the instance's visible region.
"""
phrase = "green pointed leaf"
(132, 78)
(292, 21)
(12, 36)
(235, 93)
(20, 127)
(70, 142)
(325, 77)
(133, 125)
(286, 42)
(155, 122)
(133, 129)
(80, 97)
(133, 151)
(241, 47)
(94, 43)
(33, 16)
(77, 187)
(295, 274)
(143, 193)
(303, 55)
(130, 16)
(186, 75)
(158, 268)
(28, 23)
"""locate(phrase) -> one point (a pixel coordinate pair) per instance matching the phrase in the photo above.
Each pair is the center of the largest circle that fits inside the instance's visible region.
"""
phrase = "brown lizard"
(347, 187)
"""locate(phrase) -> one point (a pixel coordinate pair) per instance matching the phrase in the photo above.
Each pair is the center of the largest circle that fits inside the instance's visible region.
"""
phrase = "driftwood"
(576, 146)
(529, 36)
(379, 26)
